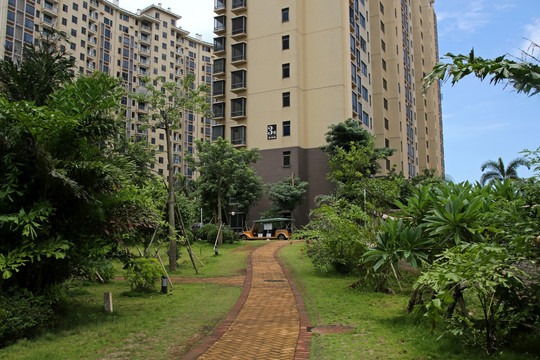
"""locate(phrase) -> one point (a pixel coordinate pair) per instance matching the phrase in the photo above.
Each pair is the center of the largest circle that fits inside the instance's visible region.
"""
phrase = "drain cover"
(274, 280)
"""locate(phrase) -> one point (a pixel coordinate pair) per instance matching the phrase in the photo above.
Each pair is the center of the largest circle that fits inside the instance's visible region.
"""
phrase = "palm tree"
(497, 171)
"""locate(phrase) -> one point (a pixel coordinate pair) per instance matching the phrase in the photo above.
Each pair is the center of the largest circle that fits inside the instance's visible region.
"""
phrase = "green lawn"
(149, 326)
(383, 329)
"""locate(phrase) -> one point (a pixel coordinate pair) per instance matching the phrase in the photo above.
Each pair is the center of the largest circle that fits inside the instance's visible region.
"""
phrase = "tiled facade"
(285, 70)
(104, 37)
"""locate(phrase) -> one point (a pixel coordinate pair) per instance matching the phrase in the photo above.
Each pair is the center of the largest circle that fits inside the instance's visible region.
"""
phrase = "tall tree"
(42, 70)
(287, 194)
(167, 105)
(347, 134)
(225, 172)
(66, 195)
(497, 170)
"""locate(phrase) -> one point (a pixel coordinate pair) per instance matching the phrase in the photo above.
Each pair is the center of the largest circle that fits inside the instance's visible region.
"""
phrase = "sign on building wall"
(272, 132)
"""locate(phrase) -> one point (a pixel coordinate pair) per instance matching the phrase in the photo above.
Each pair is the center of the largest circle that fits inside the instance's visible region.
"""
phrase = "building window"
(238, 25)
(74, 19)
(384, 84)
(385, 103)
(384, 65)
(286, 159)
(219, 110)
(238, 135)
(286, 128)
(218, 88)
(218, 132)
(382, 26)
(238, 52)
(286, 71)
(386, 143)
(286, 99)
(219, 66)
(285, 42)
(285, 15)
(238, 79)
(386, 125)
(238, 107)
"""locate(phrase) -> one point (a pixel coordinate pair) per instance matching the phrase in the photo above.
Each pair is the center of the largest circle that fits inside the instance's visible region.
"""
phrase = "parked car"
(276, 228)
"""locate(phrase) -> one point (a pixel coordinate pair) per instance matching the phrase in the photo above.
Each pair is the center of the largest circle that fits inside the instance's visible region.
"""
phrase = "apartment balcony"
(146, 27)
(238, 135)
(144, 61)
(219, 24)
(92, 40)
(238, 108)
(219, 67)
(91, 52)
(218, 88)
(145, 39)
(92, 28)
(219, 45)
(219, 110)
(49, 8)
(93, 14)
(238, 80)
(94, 3)
(239, 6)
(239, 27)
(48, 21)
(144, 49)
(238, 53)
(220, 6)
(91, 66)
(144, 72)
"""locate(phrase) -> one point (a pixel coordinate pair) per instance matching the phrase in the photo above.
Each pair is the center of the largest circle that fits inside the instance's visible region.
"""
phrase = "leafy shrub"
(335, 239)
(144, 274)
(20, 314)
(209, 232)
(490, 275)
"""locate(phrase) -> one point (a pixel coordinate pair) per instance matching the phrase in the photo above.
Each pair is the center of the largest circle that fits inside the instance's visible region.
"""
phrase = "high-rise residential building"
(285, 70)
(404, 49)
(104, 37)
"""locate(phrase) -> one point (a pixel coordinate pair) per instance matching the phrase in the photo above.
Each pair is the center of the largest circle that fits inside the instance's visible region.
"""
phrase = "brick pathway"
(269, 320)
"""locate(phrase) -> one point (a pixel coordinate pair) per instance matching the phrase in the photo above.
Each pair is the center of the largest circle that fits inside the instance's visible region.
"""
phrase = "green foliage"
(523, 76)
(347, 136)
(489, 274)
(21, 313)
(336, 237)
(287, 194)
(499, 172)
(208, 233)
(44, 68)
(143, 274)
(66, 193)
(225, 173)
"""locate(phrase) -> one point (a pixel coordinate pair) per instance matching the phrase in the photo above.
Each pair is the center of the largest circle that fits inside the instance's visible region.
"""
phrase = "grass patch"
(383, 329)
(149, 326)
(231, 261)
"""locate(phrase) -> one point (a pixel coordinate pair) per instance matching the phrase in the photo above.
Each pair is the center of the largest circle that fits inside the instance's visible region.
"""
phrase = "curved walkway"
(269, 320)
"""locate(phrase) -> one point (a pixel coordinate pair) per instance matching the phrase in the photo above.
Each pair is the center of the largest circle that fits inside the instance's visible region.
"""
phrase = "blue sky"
(481, 121)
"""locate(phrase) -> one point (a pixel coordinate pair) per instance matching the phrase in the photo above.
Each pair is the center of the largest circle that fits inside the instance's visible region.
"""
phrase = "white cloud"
(532, 33)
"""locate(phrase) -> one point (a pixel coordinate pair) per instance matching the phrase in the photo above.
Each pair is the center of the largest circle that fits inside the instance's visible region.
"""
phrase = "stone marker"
(107, 301)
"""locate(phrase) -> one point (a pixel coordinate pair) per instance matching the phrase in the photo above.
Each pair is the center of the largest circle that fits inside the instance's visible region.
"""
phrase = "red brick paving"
(269, 320)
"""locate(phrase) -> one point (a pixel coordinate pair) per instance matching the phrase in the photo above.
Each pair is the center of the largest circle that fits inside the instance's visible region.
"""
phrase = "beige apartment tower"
(104, 37)
(285, 70)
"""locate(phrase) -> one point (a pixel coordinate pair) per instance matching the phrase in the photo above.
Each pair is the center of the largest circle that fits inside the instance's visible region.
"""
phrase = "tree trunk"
(219, 215)
(170, 199)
